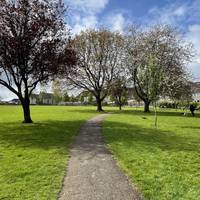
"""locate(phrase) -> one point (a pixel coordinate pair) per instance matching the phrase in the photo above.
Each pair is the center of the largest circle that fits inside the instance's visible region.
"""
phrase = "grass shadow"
(47, 134)
(150, 138)
(174, 113)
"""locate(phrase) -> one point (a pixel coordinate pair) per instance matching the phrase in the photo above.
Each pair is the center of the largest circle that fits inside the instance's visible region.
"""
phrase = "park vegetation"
(35, 48)
(157, 63)
(151, 61)
(99, 54)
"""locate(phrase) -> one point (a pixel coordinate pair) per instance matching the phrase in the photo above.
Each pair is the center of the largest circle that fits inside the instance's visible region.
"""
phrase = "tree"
(155, 57)
(180, 90)
(33, 40)
(90, 99)
(73, 99)
(57, 91)
(99, 54)
(119, 92)
(66, 97)
(81, 99)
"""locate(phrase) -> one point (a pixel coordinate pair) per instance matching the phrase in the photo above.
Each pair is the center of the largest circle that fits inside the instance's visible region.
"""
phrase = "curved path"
(92, 173)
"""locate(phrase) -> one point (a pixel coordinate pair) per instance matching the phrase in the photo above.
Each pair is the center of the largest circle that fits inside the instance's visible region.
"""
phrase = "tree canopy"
(99, 54)
(157, 59)
(33, 45)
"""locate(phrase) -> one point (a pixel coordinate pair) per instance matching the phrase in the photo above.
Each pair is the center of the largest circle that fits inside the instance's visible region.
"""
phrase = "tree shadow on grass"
(150, 138)
(57, 134)
(94, 111)
(165, 113)
(45, 135)
(134, 111)
(191, 127)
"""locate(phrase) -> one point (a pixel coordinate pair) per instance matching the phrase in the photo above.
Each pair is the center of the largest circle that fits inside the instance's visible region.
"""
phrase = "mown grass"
(163, 163)
(33, 157)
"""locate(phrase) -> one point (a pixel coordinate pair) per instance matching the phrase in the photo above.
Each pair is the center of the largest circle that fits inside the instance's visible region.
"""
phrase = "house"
(87, 97)
(14, 101)
(42, 99)
(46, 98)
(196, 91)
(34, 99)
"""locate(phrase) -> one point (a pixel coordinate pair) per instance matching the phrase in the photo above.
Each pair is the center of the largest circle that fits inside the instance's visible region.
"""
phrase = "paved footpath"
(92, 173)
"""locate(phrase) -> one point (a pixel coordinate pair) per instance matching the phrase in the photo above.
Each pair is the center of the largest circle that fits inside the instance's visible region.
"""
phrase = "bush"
(178, 104)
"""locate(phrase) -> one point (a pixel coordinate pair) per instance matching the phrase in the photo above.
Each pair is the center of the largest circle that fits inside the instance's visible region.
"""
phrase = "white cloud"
(186, 16)
(88, 6)
(5, 94)
(84, 13)
(116, 22)
(180, 11)
(193, 35)
(169, 14)
(85, 23)
(175, 13)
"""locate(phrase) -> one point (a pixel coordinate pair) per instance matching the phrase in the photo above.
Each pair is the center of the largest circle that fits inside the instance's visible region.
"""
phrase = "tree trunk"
(26, 110)
(99, 106)
(120, 103)
(146, 106)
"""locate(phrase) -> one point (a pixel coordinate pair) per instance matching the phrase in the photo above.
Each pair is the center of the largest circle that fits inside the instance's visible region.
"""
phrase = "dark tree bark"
(99, 104)
(146, 106)
(26, 110)
(99, 101)
(25, 101)
(120, 103)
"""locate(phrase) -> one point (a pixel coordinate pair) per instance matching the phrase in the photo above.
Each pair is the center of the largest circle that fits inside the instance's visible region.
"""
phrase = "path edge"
(131, 183)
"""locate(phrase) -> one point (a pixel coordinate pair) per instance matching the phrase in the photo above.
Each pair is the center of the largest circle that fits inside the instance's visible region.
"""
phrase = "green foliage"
(163, 163)
(57, 91)
(90, 99)
(151, 78)
(168, 104)
(177, 104)
(81, 98)
(73, 99)
(119, 92)
(66, 97)
(33, 157)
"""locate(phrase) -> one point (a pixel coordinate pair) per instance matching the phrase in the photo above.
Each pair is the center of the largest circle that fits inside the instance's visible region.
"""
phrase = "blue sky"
(90, 13)
(117, 14)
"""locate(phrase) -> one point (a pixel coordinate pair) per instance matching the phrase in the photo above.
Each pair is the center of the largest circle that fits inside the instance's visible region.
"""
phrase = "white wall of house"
(196, 96)
(33, 100)
(47, 101)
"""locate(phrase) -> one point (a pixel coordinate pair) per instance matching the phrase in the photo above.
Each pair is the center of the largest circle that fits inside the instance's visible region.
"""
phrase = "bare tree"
(179, 90)
(119, 91)
(100, 55)
(32, 45)
(156, 56)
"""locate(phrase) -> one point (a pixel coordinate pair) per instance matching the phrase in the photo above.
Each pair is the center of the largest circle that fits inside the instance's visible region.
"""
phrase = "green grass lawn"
(33, 157)
(163, 163)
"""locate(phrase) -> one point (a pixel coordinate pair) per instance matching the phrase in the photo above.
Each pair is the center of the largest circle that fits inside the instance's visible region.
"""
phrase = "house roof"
(46, 95)
(42, 95)
(195, 87)
(14, 100)
(34, 95)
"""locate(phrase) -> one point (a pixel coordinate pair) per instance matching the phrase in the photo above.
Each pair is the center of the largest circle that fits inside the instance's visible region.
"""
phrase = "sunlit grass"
(163, 163)
(33, 157)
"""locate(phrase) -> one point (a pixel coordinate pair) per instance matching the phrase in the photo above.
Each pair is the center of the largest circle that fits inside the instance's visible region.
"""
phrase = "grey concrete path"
(92, 173)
